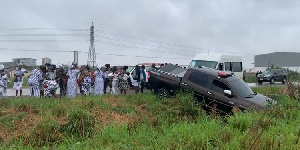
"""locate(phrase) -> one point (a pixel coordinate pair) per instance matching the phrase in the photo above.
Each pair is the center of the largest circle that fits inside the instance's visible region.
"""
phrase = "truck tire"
(272, 81)
(284, 80)
(163, 93)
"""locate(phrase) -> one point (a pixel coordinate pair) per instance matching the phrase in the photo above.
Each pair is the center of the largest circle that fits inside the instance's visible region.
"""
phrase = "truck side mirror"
(228, 93)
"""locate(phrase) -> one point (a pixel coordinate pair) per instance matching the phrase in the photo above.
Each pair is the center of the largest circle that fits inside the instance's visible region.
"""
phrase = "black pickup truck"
(216, 88)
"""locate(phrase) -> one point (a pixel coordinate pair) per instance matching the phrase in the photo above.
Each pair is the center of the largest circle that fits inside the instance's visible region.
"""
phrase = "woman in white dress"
(72, 80)
(115, 82)
(99, 81)
(18, 81)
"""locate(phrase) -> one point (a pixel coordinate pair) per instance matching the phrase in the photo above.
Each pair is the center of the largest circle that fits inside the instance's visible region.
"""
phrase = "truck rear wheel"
(163, 93)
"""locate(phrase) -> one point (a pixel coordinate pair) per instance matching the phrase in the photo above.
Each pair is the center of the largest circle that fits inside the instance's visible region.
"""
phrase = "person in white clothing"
(18, 80)
(3, 82)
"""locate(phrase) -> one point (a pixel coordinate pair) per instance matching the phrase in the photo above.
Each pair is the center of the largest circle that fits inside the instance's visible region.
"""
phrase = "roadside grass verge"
(144, 122)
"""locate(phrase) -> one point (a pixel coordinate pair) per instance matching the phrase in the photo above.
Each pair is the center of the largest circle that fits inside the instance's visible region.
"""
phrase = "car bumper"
(263, 79)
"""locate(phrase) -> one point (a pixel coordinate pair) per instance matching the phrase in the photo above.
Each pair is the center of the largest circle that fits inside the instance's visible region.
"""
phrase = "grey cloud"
(253, 26)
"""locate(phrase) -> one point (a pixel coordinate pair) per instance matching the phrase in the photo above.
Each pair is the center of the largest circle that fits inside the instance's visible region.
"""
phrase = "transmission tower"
(92, 54)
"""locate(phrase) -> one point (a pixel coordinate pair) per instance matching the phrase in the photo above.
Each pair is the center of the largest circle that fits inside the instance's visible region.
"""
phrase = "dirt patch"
(20, 128)
(115, 101)
(7, 112)
(108, 118)
(27, 108)
(61, 120)
(142, 109)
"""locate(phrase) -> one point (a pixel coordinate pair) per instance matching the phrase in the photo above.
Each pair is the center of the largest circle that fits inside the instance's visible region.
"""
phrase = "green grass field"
(144, 122)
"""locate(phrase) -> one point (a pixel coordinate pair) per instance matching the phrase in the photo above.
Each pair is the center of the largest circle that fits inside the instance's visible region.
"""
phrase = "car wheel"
(272, 81)
(163, 93)
(259, 82)
(284, 80)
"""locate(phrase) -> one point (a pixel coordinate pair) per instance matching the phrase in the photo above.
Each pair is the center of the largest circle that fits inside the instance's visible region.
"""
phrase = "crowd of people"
(69, 80)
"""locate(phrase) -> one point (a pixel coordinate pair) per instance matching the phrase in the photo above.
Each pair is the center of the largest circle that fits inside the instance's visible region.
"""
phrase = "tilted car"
(216, 88)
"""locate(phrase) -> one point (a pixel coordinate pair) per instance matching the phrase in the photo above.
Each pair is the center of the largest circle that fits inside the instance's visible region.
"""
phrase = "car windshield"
(209, 64)
(266, 72)
(240, 87)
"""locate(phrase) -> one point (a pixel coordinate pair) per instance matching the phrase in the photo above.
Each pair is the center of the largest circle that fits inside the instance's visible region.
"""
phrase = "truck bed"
(168, 77)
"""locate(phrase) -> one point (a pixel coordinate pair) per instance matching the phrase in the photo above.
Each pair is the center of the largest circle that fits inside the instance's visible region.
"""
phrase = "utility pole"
(91, 54)
(269, 63)
(76, 57)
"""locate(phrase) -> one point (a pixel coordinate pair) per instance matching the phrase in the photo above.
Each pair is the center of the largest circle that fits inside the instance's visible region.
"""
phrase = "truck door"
(199, 84)
(224, 103)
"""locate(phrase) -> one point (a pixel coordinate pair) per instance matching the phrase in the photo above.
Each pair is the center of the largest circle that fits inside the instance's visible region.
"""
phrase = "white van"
(222, 62)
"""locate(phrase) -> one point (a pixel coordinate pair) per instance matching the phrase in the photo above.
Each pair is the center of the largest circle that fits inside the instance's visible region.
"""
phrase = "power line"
(108, 54)
(43, 34)
(44, 29)
(121, 55)
(42, 41)
(160, 42)
(135, 47)
(33, 50)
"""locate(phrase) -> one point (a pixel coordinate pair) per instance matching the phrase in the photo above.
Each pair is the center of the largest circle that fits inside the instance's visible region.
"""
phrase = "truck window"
(199, 78)
(237, 66)
(219, 86)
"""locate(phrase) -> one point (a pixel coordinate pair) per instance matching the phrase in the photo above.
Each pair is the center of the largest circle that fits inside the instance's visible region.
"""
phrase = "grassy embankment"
(143, 122)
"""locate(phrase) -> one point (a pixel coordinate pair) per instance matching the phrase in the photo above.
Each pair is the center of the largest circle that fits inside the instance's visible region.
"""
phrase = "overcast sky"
(151, 28)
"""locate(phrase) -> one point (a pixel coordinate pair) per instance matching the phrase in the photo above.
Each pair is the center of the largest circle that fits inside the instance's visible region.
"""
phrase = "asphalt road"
(11, 92)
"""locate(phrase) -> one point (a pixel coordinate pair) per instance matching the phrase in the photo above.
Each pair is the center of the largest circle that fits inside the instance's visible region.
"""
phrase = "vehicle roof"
(217, 57)
(210, 71)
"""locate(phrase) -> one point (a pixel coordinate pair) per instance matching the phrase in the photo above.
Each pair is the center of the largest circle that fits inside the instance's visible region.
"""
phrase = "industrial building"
(25, 61)
(289, 60)
(46, 60)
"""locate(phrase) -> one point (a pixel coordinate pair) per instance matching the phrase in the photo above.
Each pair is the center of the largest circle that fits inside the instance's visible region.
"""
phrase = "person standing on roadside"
(60, 77)
(142, 78)
(18, 80)
(72, 80)
(115, 81)
(106, 79)
(244, 75)
(34, 81)
(3, 82)
(99, 78)
(136, 79)
(123, 83)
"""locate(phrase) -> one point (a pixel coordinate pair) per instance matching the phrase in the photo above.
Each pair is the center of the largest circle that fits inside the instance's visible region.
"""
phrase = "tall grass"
(143, 122)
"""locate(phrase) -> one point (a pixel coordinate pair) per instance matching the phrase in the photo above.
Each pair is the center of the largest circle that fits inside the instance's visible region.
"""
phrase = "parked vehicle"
(211, 86)
(217, 61)
(272, 76)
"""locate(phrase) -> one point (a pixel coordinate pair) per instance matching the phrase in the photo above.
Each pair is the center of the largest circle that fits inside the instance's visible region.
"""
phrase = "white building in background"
(46, 60)
(289, 60)
(25, 61)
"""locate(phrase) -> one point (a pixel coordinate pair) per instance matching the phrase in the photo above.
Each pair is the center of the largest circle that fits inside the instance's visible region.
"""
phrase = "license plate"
(261, 79)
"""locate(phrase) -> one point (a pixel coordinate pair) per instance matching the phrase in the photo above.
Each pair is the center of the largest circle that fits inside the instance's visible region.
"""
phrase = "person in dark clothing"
(244, 75)
(154, 66)
(142, 78)
(61, 79)
(106, 80)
